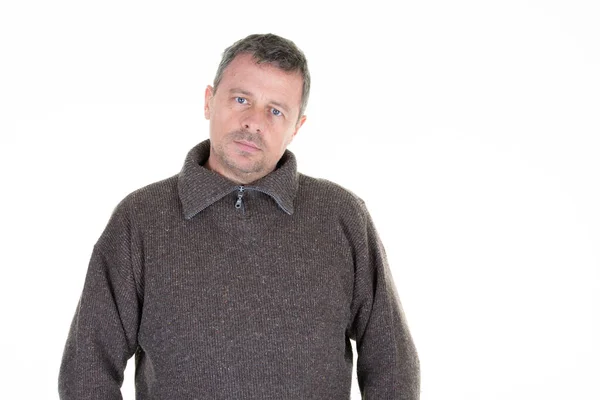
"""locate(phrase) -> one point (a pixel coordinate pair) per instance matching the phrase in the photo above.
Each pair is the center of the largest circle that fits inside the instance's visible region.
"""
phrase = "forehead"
(263, 79)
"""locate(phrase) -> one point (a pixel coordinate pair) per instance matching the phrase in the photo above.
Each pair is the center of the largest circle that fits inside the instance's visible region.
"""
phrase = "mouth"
(246, 146)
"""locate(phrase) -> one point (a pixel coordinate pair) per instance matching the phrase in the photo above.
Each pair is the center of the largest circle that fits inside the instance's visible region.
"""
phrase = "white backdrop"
(471, 129)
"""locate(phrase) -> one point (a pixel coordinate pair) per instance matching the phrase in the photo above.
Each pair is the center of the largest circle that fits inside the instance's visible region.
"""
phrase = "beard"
(238, 161)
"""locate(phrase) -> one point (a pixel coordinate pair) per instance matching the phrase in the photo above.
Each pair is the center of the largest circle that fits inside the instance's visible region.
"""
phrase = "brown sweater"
(229, 292)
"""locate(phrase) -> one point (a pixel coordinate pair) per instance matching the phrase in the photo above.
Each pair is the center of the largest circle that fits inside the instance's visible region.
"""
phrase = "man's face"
(253, 118)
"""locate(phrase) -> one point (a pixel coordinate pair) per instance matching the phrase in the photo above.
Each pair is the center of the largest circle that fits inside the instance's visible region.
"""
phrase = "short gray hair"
(280, 52)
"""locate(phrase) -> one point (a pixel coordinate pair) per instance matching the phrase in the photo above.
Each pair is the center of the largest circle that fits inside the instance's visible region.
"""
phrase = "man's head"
(256, 106)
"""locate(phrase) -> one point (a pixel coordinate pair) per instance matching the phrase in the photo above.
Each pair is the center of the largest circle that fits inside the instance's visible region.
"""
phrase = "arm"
(103, 334)
(388, 366)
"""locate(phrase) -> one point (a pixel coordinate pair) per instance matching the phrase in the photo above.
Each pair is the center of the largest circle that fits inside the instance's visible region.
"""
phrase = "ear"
(208, 95)
(297, 128)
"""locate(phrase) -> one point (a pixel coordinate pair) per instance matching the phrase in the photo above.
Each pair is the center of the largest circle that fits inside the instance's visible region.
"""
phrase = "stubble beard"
(257, 167)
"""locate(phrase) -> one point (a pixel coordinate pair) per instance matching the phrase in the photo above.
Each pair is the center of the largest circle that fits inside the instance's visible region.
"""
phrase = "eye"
(276, 112)
(241, 100)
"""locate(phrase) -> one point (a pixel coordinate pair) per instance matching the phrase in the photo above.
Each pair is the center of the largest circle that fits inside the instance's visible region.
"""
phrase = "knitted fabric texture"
(229, 292)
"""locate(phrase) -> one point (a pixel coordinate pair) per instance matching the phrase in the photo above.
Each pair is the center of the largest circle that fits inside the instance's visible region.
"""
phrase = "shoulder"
(155, 193)
(329, 196)
(150, 199)
(139, 210)
(320, 186)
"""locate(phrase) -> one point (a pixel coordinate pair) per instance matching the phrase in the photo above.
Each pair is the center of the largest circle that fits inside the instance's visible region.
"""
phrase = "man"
(240, 278)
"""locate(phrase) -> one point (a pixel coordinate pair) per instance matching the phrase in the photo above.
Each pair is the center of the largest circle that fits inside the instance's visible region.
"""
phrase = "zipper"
(238, 203)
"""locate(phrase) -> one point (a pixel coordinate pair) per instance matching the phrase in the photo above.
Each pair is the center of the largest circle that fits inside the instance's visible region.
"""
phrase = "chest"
(217, 273)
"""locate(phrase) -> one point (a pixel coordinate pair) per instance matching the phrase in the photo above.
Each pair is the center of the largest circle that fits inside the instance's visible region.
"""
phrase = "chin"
(246, 165)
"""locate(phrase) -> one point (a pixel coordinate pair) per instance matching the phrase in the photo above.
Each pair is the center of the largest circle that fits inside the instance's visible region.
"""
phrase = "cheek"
(286, 138)
(224, 118)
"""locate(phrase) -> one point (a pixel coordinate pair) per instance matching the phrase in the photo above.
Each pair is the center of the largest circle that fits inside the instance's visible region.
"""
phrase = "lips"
(247, 146)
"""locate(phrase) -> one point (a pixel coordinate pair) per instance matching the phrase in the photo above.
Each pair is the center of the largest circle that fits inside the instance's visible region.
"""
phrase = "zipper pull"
(238, 203)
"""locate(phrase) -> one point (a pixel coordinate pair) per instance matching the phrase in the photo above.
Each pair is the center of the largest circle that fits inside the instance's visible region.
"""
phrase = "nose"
(253, 121)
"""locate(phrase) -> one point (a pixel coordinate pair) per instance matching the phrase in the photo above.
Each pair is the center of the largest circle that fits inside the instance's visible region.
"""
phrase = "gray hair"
(275, 50)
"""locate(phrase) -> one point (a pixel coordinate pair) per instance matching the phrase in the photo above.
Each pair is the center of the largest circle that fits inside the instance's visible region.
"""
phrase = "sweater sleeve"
(388, 366)
(103, 333)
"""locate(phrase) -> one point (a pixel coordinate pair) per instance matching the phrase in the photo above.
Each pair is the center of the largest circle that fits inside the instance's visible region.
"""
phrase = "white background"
(470, 128)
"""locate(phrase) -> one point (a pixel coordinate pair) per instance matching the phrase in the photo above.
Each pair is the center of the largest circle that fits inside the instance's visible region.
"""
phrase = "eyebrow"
(247, 93)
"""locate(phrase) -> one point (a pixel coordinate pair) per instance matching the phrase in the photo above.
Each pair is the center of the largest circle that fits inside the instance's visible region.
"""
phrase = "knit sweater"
(248, 292)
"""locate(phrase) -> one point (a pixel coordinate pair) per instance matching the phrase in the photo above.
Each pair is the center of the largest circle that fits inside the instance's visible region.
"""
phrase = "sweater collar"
(200, 187)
